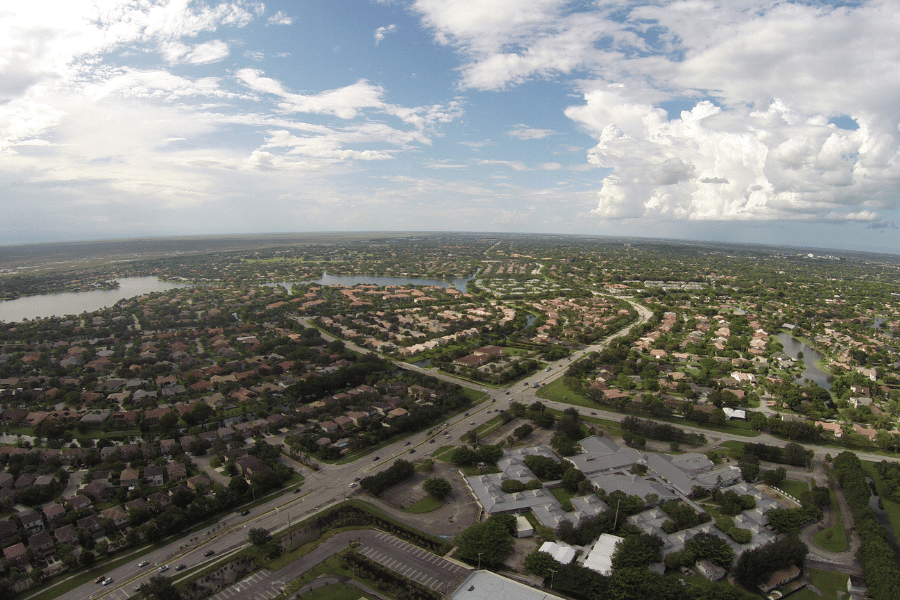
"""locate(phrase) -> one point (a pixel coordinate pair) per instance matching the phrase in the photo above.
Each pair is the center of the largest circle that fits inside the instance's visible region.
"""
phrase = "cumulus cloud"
(765, 81)
(381, 32)
(710, 163)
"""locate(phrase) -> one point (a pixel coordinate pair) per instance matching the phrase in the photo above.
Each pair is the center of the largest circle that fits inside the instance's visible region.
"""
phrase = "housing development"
(451, 416)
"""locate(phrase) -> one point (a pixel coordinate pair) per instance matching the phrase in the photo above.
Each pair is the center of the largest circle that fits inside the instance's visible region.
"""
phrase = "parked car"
(353, 484)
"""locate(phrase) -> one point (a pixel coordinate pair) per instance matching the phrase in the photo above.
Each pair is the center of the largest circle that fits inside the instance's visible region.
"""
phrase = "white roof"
(563, 553)
(600, 558)
(484, 585)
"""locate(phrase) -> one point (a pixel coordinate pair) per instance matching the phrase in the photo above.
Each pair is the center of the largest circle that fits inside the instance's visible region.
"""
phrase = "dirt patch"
(522, 548)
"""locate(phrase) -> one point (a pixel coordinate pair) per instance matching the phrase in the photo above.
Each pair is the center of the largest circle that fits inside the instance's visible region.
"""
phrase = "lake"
(75, 303)
(792, 347)
(351, 280)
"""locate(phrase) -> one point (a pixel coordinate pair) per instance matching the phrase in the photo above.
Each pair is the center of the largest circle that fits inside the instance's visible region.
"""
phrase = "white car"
(107, 581)
(164, 568)
(143, 563)
(353, 484)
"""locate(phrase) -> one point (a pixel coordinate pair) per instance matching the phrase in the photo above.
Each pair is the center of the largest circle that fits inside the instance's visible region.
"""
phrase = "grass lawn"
(832, 585)
(426, 504)
(443, 453)
(562, 494)
(558, 391)
(794, 488)
(336, 592)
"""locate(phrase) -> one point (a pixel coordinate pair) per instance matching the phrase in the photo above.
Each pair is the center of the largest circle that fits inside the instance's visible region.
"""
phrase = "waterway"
(792, 347)
(75, 303)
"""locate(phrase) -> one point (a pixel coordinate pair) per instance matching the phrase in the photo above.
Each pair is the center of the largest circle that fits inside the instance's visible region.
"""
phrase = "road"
(331, 484)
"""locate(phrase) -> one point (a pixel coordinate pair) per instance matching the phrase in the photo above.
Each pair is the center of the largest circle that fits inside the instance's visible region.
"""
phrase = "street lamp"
(552, 573)
(479, 560)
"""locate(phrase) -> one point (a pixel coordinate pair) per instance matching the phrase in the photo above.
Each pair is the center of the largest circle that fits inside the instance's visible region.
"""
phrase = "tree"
(774, 477)
(161, 588)
(637, 551)
(571, 478)
(437, 487)
(259, 537)
(540, 564)
(511, 486)
(491, 541)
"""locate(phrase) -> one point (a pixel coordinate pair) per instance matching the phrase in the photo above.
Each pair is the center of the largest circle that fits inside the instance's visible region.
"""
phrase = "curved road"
(331, 484)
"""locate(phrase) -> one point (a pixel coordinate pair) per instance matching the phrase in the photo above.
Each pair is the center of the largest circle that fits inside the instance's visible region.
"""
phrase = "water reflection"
(75, 303)
(792, 347)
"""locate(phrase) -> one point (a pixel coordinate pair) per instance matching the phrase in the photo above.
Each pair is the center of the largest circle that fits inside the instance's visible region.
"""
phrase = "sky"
(743, 121)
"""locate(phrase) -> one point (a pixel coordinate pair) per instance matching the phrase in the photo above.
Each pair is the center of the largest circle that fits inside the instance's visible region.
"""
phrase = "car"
(353, 484)
(181, 567)
(593, 413)
(139, 587)
(507, 393)
(431, 441)
(296, 490)
(209, 553)
(467, 414)
(471, 422)
(107, 581)
(143, 563)
(412, 450)
(164, 568)
(356, 479)
(407, 443)
(100, 579)
(244, 513)
(377, 458)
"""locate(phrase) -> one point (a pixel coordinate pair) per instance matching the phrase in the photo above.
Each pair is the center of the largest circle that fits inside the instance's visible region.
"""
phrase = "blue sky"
(771, 122)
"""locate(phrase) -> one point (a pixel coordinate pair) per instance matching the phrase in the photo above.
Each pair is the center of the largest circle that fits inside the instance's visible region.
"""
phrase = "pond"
(792, 347)
(75, 303)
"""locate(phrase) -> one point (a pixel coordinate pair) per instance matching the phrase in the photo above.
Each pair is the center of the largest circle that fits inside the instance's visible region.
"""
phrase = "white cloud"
(342, 102)
(381, 32)
(515, 165)
(524, 132)
(777, 72)
(200, 54)
(254, 55)
(48, 55)
(720, 165)
(280, 18)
